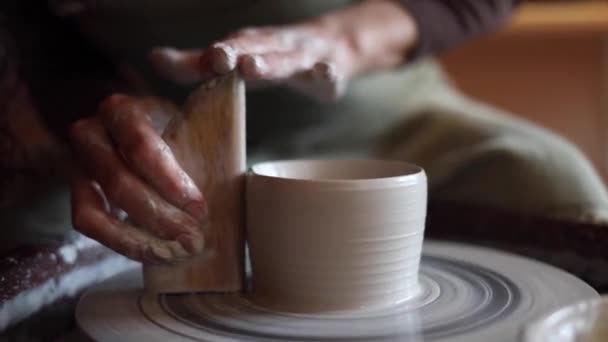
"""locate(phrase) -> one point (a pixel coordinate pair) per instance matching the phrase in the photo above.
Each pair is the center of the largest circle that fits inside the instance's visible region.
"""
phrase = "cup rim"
(409, 177)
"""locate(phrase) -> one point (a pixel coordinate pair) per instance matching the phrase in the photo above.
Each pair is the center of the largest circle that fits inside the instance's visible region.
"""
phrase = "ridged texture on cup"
(332, 244)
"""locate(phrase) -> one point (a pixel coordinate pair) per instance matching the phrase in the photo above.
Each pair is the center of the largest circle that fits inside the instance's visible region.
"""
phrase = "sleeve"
(48, 79)
(65, 76)
(443, 24)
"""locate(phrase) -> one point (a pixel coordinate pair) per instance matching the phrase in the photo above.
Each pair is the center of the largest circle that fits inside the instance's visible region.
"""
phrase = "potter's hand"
(317, 57)
(297, 56)
(129, 167)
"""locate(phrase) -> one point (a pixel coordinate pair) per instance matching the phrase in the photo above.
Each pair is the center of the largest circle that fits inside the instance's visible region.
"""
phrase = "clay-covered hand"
(316, 57)
(127, 167)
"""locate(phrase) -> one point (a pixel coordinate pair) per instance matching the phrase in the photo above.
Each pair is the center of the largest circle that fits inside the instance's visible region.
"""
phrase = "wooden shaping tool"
(209, 143)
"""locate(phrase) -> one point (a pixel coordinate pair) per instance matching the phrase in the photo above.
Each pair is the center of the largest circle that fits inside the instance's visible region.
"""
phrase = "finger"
(187, 67)
(262, 40)
(159, 111)
(90, 217)
(222, 57)
(276, 65)
(219, 59)
(128, 192)
(148, 154)
(323, 82)
(118, 213)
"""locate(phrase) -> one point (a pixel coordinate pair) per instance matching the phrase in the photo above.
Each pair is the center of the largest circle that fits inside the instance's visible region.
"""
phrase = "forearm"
(382, 34)
(377, 34)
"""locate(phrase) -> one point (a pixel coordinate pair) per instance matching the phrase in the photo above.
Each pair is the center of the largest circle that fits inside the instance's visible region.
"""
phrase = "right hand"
(128, 168)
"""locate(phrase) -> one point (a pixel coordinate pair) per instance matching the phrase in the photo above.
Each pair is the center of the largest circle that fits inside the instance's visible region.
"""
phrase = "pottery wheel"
(468, 294)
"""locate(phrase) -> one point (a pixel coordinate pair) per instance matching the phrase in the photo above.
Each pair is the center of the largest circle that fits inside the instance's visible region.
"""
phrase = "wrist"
(373, 35)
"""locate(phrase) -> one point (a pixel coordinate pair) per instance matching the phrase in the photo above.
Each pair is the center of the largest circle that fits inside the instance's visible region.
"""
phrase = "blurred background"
(550, 65)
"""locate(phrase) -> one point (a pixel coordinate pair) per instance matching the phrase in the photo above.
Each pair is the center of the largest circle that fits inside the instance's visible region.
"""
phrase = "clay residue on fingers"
(323, 81)
(223, 57)
(253, 66)
(150, 249)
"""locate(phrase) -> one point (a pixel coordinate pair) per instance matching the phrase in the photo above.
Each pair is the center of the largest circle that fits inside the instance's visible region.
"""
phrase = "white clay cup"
(335, 235)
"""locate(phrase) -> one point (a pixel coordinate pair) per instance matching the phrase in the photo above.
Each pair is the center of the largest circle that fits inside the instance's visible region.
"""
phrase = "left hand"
(316, 57)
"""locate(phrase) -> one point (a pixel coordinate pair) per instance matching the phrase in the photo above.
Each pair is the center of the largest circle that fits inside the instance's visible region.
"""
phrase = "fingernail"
(178, 250)
(198, 210)
(191, 243)
(160, 253)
